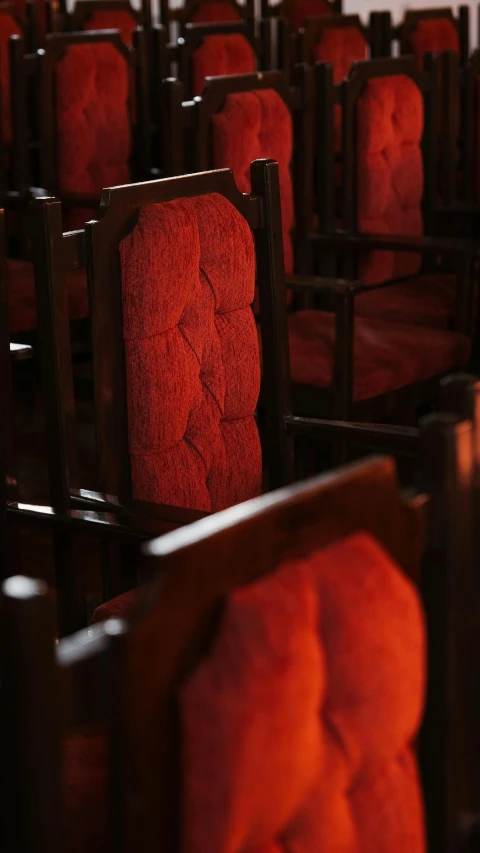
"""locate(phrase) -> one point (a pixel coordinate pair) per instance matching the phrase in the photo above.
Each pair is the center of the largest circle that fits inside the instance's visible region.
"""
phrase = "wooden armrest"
(398, 243)
(20, 352)
(377, 435)
(319, 283)
(83, 499)
(136, 526)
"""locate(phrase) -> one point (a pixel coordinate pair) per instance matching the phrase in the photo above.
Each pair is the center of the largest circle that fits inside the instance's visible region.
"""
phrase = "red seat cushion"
(22, 308)
(387, 355)
(8, 27)
(116, 608)
(93, 122)
(115, 19)
(390, 172)
(219, 55)
(340, 47)
(192, 362)
(424, 300)
(303, 739)
(433, 35)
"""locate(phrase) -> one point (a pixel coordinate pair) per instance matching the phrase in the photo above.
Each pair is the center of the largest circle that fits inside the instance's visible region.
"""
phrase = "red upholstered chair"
(238, 119)
(189, 438)
(93, 130)
(389, 190)
(207, 12)
(424, 31)
(306, 734)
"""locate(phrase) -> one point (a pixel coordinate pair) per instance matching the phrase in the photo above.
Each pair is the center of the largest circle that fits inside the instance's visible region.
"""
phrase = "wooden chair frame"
(40, 68)
(402, 31)
(96, 248)
(349, 241)
(186, 14)
(460, 132)
(100, 679)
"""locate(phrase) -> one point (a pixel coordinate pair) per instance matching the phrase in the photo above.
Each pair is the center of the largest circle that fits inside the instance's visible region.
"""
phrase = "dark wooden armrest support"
(397, 243)
(20, 352)
(83, 499)
(385, 436)
(97, 521)
(320, 284)
(458, 211)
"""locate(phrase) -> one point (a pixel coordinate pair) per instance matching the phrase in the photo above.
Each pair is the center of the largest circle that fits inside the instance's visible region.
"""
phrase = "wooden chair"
(206, 50)
(422, 293)
(224, 135)
(150, 713)
(66, 157)
(56, 253)
(424, 31)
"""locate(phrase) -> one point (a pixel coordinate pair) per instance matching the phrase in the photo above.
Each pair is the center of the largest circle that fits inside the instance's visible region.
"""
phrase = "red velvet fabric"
(340, 47)
(8, 27)
(302, 739)
(424, 300)
(296, 11)
(213, 13)
(387, 355)
(220, 55)
(192, 362)
(22, 310)
(253, 125)
(93, 124)
(390, 172)
(433, 35)
(116, 19)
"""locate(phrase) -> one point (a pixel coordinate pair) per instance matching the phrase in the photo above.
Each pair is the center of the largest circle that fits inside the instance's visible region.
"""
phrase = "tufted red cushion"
(433, 35)
(390, 172)
(192, 363)
(253, 125)
(115, 19)
(8, 27)
(424, 300)
(387, 355)
(296, 11)
(211, 12)
(93, 124)
(22, 310)
(302, 739)
(220, 55)
(340, 47)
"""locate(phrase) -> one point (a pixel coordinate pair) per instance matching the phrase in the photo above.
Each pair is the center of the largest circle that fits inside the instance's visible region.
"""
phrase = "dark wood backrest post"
(274, 329)
(8, 471)
(55, 350)
(19, 97)
(451, 109)
(325, 160)
(30, 767)
(446, 466)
